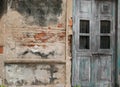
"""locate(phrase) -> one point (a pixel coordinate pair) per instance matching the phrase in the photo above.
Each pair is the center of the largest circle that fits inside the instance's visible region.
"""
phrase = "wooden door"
(93, 43)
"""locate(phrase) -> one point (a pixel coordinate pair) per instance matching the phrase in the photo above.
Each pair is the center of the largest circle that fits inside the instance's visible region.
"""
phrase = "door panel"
(84, 69)
(85, 6)
(102, 68)
(93, 43)
(103, 84)
(82, 74)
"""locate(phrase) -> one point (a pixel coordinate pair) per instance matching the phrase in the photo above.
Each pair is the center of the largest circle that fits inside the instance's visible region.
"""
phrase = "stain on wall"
(38, 12)
(35, 29)
(3, 7)
(54, 50)
(38, 36)
(35, 44)
(34, 74)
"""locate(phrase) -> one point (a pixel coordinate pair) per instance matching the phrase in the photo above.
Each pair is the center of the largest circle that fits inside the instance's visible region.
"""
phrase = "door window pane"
(84, 26)
(105, 26)
(105, 42)
(84, 42)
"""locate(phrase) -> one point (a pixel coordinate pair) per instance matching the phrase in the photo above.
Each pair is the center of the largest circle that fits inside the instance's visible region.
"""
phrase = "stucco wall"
(35, 74)
(24, 39)
(34, 43)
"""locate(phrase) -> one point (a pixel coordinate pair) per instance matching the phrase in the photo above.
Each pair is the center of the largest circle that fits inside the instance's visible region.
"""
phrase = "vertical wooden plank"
(118, 42)
(84, 69)
(102, 71)
(81, 71)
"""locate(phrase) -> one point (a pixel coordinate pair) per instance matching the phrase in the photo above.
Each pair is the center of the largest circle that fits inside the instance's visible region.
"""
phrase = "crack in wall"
(42, 55)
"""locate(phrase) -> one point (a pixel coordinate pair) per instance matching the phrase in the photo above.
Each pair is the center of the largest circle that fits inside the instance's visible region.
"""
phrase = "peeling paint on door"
(93, 43)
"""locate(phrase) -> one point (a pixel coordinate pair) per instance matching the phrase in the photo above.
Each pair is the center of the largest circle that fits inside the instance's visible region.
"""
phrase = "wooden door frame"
(116, 84)
(116, 45)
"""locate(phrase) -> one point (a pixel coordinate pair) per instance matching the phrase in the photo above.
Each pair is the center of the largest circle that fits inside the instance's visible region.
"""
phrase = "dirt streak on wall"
(34, 30)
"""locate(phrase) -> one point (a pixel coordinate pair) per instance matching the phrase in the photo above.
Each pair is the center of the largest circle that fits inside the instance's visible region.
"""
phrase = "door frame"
(115, 51)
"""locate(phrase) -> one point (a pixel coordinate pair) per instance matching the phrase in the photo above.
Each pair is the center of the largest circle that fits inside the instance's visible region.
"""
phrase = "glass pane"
(84, 26)
(84, 42)
(105, 42)
(105, 26)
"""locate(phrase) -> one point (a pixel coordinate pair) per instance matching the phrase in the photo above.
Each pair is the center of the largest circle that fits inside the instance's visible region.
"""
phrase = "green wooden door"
(93, 43)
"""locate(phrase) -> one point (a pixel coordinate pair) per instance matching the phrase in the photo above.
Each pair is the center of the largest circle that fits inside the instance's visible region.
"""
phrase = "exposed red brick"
(39, 36)
(61, 35)
(60, 25)
(30, 45)
(70, 22)
(1, 49)
(43, 36)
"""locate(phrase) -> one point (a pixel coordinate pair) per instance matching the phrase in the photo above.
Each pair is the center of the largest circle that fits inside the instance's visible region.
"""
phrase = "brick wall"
(34, 43)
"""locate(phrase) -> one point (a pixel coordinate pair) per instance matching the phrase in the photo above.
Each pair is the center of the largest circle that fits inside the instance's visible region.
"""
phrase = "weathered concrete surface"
(35, 74)
(35, 43)
(35, 30)
(1, 69)
(45, 51)
(1, 34)
(68, 43)
(36, 12)
(33, 40)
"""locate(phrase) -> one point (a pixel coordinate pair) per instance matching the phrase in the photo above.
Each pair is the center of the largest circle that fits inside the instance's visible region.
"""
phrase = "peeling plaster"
(34, 74)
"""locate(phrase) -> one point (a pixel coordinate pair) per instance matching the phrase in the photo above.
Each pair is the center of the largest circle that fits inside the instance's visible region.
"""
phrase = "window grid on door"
(84, 37)
(105, 31)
